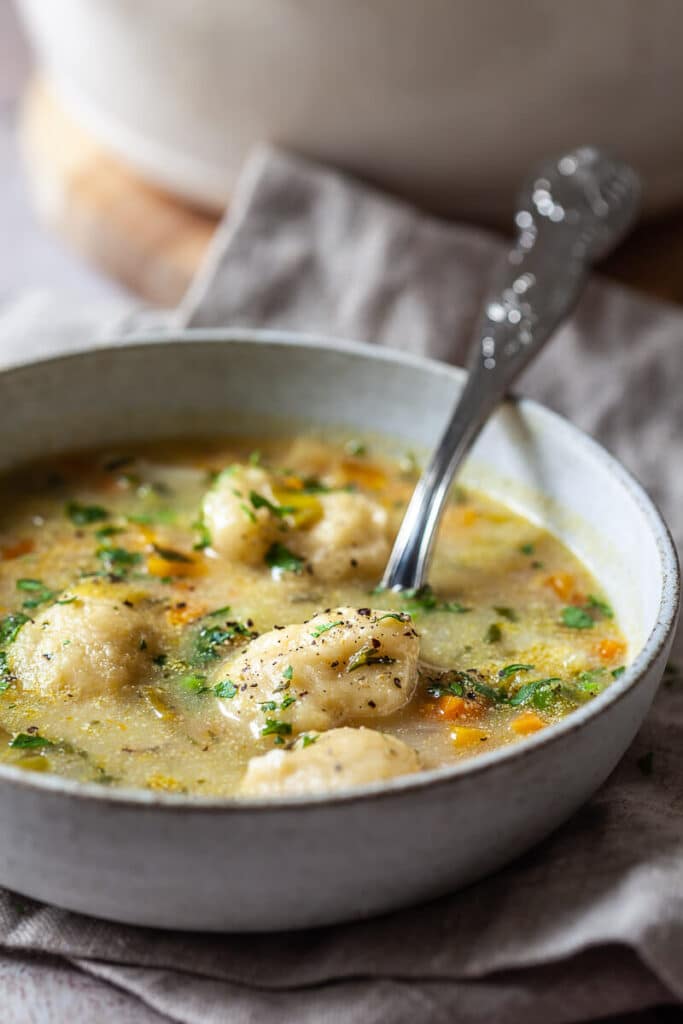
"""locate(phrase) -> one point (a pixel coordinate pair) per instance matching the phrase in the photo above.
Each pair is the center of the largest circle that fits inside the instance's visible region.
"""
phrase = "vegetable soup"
(204, 618)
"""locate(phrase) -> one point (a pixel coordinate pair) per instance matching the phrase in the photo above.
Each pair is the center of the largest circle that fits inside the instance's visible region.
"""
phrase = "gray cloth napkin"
(587, 924)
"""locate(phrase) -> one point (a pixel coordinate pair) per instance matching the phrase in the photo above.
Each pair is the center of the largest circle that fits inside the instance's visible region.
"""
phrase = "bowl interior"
(241, 382)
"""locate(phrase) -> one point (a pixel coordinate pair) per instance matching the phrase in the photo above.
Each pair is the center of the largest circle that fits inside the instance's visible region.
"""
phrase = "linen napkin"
(590, 922)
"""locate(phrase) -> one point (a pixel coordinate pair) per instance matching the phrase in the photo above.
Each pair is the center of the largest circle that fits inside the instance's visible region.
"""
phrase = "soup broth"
(204, 618)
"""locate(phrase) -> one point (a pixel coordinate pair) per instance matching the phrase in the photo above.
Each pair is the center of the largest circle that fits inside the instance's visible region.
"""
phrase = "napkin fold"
(590, 922)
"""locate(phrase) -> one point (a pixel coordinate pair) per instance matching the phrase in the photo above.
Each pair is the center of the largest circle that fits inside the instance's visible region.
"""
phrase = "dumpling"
(93, 645)
(237, 512)
(343, 665)
(352, 536)
(337, 534)
(331, 761)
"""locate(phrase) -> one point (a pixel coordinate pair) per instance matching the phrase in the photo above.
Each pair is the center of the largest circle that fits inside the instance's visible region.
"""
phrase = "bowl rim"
(658, 638)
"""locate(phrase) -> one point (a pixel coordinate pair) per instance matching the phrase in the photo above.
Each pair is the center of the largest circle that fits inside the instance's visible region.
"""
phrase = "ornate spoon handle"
(572, 212)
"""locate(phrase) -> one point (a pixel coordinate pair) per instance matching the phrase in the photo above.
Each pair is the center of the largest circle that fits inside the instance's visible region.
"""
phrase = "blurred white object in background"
(444, 101)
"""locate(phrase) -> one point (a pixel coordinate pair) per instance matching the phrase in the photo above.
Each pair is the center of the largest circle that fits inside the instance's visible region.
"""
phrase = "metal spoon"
(572, 212)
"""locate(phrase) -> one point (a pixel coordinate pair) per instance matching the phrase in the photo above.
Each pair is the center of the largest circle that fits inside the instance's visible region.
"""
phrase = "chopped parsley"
(6, 676)
(368, 656)
(259, 501)
(526, 549)
(84, 515)
(10, 626)
(275, 728)
(226, 689)
(539, 693)
(39, 593)
(493, 634)
(27, 741)
(616, 672)
(288, 673)
(203, 535)
(399, 616)
(118, 558)
(107, 531)
(425, 600)
(592, 682)
(171, 555)
(577, 618)
(600, 606)
(511, 670)
(308, 740)
(210, 638)
(453, 689)
(325, 627)
(194, 683)
(280, 557)
(507, 613)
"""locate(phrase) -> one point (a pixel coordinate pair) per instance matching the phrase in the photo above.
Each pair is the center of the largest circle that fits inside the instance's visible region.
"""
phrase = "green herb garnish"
(26, 741)
(226, 690)
(288, 673)
(325, 627)
(493, 634)
(538, 693)
(280, 557)
(308, 740)
(204, 535)
(40, 594)
(258, 501)
(424, 599)
(399, 616)
(592, 682)
(368, 656)
(275, 728)
(107, 531)
(210, 638)
(507, 613)
(118, 558)
(511, 670)
(601, 606)
(10, 626)
(577, 618)
(84, 515)
(616, 672)
(194, 683)
(171, 555)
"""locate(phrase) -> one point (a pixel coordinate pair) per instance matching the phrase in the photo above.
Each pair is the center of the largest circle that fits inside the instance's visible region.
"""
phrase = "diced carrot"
(527, 723)
(20, 547)
(610, 650)
(450, 707)
(464, 736)
(563, 584)
(365, 474)
(159, 566)
(181, 616)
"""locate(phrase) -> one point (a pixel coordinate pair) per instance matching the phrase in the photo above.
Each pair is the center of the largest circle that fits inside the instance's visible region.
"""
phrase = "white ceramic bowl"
(446, 101)
(182, 862)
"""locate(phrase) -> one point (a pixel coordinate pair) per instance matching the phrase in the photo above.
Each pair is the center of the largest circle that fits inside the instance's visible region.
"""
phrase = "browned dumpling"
(331, 761)
(344, 665)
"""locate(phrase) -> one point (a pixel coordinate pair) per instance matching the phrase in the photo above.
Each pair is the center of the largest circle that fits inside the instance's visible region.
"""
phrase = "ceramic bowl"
(195, 863)
(446, 102)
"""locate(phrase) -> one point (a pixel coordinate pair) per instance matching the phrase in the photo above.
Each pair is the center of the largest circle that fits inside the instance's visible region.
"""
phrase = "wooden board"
(152, 242)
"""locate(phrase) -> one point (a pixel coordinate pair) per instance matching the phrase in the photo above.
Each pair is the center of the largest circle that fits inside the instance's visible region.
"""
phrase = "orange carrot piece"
(20, 547)
(526, 723)
(609, 650)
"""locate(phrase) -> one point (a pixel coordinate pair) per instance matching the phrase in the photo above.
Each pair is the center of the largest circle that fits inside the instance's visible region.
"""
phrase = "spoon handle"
(572, 212)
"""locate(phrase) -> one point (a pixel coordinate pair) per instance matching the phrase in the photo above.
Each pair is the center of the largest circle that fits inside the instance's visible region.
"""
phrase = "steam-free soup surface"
(204, 618)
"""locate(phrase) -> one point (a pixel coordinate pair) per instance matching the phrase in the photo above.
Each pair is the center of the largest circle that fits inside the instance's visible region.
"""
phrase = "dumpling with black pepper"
(343, 665)
(327, 762)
